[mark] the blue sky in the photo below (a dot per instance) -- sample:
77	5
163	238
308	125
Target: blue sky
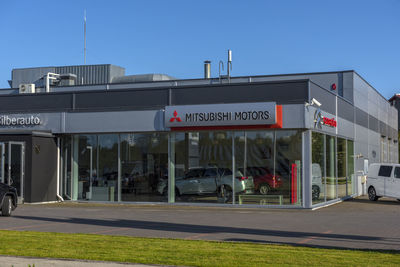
175	37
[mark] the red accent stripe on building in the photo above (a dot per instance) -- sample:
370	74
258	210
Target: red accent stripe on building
294	184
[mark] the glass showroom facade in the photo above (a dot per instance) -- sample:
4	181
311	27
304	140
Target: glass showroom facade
262	167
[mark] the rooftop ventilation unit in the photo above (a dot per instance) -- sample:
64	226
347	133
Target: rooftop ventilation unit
27	88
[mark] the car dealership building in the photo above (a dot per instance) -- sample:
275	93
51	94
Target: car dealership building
90	133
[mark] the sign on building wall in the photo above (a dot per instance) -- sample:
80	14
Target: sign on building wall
320	120
260	113
19	121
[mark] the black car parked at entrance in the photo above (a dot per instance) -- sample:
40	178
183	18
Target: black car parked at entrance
8	199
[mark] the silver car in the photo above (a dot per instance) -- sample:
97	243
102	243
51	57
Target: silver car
211	180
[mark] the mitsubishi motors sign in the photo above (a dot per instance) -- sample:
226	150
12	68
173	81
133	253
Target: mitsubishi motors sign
259	113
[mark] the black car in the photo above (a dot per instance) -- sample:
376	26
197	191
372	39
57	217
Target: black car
8	199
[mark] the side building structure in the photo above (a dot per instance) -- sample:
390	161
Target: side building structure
395	102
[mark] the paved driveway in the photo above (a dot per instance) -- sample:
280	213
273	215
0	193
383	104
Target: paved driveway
357	223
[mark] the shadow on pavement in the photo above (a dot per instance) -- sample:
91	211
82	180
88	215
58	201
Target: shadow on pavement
380	201
206	229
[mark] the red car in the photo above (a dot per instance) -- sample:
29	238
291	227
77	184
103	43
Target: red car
264	180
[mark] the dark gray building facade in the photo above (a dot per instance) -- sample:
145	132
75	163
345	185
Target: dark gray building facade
296	140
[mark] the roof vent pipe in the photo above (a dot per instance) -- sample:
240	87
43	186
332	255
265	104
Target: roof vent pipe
229	64
207	69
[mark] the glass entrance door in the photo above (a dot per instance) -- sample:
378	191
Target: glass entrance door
13	159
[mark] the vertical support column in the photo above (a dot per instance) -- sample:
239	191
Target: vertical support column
233	168
307	163
330	190
171	167
347	167
75	167
119	168
58	166
2	157
245	154
335	175
65	171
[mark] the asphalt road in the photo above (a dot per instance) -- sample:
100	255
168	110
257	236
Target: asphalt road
357	223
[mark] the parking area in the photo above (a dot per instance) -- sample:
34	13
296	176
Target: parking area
357	223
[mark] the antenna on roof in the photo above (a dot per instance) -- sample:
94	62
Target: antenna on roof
84	37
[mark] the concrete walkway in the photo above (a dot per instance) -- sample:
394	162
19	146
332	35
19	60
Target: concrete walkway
7	261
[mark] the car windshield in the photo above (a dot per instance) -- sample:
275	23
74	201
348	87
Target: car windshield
194	173
226	172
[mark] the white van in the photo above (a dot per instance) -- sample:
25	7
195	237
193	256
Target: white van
383	180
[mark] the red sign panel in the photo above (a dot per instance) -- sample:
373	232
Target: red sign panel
330	122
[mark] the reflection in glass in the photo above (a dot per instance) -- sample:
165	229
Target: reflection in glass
16	167
318	168
350	167
331	178
266	169
244	179
260	166
341	165
105	180
144	167
203	167
240	150
66	167
86	159
288	164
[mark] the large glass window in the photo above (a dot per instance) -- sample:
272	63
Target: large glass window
95	167
105	180
203	167
85	168
144	167
242	167
260	163
112	167
333	160
318	168
288	165
266	169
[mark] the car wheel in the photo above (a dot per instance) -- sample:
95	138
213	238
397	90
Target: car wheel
264	189
372	194
6	208
315	192
226	193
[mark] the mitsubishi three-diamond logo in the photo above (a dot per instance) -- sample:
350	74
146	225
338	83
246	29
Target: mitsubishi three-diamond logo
175	117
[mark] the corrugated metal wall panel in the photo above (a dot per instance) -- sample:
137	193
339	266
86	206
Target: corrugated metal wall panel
92	74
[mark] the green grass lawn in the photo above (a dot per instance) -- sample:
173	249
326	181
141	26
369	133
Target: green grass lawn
182	252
